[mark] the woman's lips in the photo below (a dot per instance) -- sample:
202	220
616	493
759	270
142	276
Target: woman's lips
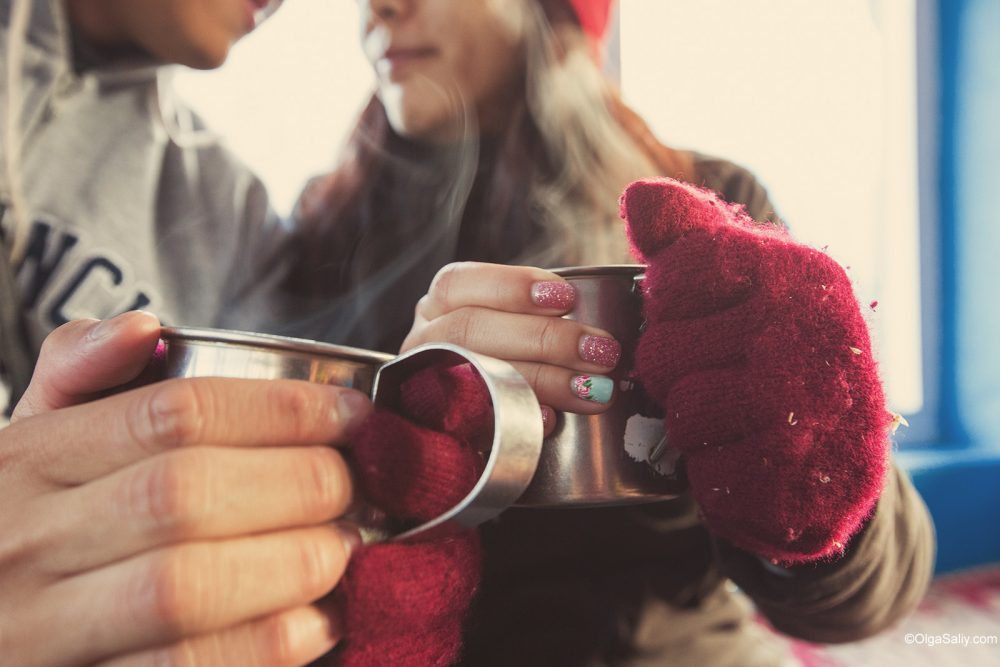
395	62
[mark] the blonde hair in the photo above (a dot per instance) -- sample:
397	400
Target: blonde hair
570	101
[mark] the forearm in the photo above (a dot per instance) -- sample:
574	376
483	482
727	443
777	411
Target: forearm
880	579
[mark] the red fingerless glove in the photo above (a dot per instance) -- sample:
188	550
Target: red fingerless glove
757	350
404	603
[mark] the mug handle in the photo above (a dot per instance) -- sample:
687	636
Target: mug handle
517	432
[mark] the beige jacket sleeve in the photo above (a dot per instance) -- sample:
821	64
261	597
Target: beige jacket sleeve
887	567
880	579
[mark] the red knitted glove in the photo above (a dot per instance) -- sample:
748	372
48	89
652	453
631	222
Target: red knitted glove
405	602
756	348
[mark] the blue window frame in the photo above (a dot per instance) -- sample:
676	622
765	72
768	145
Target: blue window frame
957	470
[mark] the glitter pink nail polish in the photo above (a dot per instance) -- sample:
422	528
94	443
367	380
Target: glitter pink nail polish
600	350
557	294
548	418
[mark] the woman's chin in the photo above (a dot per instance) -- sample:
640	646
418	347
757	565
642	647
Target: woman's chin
437	123
425	130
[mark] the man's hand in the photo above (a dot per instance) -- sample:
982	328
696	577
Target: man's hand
186	521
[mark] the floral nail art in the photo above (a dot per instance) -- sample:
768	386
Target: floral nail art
595	388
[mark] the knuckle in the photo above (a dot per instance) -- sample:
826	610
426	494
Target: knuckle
173	415
537	376
443	284
316	567
62	336
327	488
175	595
275	643
460	327
534	374
550	340
422	307
170	495
295	405
16	547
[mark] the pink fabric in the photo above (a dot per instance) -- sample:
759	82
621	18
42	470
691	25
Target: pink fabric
594	16
405	602
449	399
412	472
758	352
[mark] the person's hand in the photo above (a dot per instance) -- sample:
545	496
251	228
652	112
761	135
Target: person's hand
514	313
405	603
757	350
185	522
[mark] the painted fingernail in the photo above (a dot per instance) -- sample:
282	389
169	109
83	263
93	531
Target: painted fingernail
594	388
600	350
548	418
553	294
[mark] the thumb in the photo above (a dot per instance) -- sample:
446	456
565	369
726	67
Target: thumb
83	358
659	211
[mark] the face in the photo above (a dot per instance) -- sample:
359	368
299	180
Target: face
196	33
432	56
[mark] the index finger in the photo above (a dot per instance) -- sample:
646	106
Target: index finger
82	358
80	443
513	289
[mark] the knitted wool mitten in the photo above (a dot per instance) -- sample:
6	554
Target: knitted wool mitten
757	350
405	602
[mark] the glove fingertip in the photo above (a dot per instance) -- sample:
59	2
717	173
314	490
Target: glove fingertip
659	211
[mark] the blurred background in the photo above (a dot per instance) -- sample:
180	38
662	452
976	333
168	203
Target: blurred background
874	126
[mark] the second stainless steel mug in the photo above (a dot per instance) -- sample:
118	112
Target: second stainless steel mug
622	456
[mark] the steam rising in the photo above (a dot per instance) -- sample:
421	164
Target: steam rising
441	178
573	158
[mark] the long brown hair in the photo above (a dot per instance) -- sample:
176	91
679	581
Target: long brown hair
543	191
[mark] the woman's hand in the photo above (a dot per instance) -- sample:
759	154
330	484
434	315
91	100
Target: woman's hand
185	522
759	354
514	313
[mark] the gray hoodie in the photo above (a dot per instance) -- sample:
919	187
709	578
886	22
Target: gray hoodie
122	216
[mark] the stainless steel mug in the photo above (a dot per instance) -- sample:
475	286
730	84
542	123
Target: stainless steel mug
622	456
517	431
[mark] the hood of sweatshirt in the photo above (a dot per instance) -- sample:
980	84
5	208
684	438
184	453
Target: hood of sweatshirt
124	208
50	31
52	65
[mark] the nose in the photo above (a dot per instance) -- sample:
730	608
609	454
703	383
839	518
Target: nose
383	11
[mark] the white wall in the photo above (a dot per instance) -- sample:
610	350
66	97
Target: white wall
815	96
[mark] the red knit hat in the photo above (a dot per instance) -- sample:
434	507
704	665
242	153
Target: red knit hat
593	16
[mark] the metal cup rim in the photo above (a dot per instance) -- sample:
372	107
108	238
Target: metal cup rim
600	270
275	343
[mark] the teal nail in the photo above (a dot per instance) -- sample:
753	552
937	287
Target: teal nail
596	388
